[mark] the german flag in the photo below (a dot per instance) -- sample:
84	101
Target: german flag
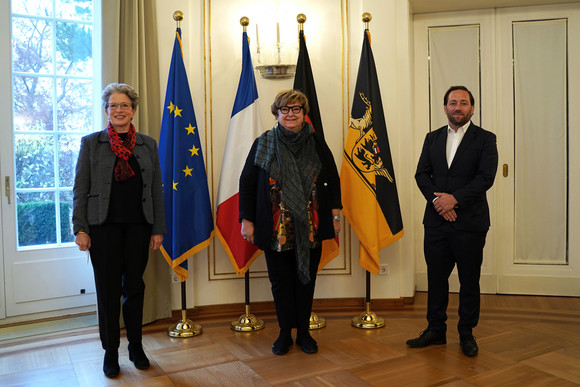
304	82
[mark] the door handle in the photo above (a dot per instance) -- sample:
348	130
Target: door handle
505	170
7	187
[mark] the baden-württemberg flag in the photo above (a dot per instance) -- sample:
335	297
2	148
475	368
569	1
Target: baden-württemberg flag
304	81
369	189
244	127
185	190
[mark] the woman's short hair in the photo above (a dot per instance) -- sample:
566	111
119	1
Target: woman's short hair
290	96
113	88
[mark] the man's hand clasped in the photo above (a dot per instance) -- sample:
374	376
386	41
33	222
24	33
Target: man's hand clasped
445	205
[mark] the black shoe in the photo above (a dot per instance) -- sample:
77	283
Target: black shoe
282	344
468	345
111	364
427	338
307	344
138	357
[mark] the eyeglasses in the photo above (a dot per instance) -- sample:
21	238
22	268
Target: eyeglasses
286	109
123	106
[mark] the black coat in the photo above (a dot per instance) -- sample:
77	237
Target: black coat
470	175
255	204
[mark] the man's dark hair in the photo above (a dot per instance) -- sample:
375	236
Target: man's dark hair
453	88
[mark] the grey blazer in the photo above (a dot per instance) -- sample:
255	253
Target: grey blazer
94	177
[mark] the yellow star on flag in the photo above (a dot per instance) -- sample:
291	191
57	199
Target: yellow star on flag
171	106
175	185
187	171
177	111
194	151
190	129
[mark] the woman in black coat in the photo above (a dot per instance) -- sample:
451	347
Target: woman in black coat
289	203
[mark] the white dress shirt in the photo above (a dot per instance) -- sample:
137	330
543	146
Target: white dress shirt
453	140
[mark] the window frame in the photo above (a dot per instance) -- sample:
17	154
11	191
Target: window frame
56	187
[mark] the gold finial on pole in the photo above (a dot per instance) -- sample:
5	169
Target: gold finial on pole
244	21
178	17
301	19
366	18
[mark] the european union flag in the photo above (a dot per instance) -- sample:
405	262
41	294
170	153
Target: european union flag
185	190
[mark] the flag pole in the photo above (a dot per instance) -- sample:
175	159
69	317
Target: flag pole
368	319
247	322
316	322
184	327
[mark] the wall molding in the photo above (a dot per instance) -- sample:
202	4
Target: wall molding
354	305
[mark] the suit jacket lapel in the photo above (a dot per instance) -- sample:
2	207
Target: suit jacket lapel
441	146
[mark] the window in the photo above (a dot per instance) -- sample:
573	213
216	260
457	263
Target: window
53	107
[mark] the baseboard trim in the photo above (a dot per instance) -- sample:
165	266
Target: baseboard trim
351	305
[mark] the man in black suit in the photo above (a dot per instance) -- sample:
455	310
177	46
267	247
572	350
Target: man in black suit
457	166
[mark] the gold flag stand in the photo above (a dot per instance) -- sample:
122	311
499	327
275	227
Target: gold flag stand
317	322
368	319
184	327
247	322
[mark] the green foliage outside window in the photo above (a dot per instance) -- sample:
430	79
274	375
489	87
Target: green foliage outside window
37	223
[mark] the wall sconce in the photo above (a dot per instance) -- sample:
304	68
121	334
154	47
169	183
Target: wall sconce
273	59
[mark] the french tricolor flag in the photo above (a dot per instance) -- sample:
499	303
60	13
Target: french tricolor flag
244	127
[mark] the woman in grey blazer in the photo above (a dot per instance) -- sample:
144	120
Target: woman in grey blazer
118	216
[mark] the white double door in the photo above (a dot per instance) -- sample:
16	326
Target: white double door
523	66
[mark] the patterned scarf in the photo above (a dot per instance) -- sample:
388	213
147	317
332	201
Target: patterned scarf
291	159
123	150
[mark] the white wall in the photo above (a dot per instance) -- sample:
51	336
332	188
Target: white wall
212	44
334	30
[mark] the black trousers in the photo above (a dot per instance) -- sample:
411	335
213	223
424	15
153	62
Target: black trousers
119	254
444	247
292	298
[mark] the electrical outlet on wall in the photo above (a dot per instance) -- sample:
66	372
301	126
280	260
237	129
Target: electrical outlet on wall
384	270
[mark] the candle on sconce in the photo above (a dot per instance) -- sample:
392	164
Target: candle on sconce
257	37
271	64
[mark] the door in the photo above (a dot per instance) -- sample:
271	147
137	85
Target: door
454	49
46	69
522	67
539	177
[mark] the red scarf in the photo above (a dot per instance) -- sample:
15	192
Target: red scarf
123	150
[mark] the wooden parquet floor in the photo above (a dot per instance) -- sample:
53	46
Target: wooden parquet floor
523	341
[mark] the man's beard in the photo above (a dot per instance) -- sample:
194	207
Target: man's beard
464	120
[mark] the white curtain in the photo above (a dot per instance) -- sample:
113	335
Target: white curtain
540	134
130	55
453	60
